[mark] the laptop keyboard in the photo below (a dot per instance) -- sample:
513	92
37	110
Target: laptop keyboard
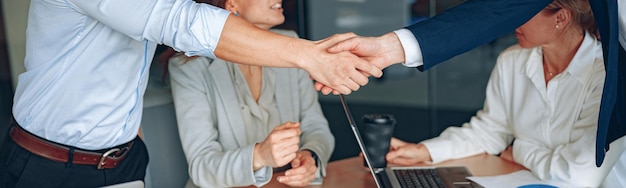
410	178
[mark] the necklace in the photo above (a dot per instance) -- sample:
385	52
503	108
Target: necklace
548	71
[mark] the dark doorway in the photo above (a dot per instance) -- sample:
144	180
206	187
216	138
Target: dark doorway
6	86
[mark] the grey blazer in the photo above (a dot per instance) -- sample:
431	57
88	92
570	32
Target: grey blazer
210	122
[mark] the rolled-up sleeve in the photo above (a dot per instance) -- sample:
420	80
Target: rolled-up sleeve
488	131
182	24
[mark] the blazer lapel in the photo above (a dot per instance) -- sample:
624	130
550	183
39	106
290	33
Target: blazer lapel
226	95
284	93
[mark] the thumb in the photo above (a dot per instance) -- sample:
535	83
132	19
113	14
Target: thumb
346	45
296	162
337	39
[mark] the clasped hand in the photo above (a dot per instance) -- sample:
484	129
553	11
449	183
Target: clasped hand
280	148
407	154
374	54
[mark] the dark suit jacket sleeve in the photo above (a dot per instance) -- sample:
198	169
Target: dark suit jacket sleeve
469	25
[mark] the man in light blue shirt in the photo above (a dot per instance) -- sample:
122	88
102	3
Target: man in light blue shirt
78	106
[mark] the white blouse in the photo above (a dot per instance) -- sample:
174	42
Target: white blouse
554	126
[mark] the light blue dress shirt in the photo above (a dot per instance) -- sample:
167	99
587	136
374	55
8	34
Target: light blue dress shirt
87	63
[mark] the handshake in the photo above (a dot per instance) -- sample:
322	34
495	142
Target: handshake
342	63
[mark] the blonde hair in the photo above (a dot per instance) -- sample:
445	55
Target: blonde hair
581	13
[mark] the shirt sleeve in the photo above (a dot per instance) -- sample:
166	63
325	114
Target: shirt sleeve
262	176
186	26
412	51
487	131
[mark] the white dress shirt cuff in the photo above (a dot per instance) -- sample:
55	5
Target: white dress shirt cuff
439	149
412	50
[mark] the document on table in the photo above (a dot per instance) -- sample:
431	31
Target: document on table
522	178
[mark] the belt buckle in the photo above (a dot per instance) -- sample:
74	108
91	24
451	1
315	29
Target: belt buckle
104	156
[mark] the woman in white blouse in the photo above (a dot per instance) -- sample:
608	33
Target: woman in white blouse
543	97
239	123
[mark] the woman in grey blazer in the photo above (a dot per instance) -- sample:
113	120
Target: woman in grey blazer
240	123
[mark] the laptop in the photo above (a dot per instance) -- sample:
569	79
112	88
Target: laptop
415	176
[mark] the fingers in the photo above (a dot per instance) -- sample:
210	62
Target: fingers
351	80
286	158
343	89
323	88
318	86
334	39
399	157
279	147
367	57
358	69
396	143
279	154
287	130
359	78
284	151
287	125
299	180
400	152
403	161
327	90
340	71
302	175
368	68
345	45
351	85
409	154
391	155
296	162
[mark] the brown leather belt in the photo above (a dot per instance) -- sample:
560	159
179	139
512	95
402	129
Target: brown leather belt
59	153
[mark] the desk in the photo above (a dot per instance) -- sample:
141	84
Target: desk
350	173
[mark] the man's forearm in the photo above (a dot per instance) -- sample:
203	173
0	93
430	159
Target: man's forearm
242	42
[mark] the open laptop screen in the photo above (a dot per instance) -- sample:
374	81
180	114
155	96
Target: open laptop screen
359	140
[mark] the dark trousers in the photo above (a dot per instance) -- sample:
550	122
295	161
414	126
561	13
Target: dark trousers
21	168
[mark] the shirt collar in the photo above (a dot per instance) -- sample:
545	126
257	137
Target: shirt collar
579	67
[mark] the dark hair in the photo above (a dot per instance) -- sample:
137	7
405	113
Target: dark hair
217	3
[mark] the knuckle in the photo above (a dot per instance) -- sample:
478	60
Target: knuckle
363	83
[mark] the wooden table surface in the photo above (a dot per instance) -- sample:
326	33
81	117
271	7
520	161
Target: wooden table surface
350	172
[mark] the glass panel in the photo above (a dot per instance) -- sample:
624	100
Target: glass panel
456	87
6	85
